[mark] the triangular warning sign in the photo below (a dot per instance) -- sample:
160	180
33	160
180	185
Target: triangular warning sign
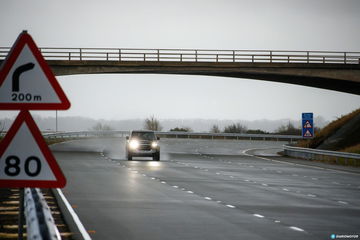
25	159
307	134
307	125
26	80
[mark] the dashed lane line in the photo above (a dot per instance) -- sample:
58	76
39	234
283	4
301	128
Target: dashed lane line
218	201
297	229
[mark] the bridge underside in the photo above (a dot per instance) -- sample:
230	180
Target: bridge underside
338	77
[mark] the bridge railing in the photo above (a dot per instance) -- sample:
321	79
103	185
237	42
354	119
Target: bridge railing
195	55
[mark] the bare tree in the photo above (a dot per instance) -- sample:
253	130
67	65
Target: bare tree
2	127
235	128
153	124
101	127
288	129
181	129
215	129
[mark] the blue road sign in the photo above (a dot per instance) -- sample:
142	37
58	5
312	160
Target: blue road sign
307	125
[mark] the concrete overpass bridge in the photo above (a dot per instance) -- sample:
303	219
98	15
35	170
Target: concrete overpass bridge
338	71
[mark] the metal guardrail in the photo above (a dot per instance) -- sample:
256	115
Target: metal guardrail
188	135
85	134
39	221
316	154
194	55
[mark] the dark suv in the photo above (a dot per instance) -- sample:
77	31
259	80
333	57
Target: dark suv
142	144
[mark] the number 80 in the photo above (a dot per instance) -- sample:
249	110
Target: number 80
13	169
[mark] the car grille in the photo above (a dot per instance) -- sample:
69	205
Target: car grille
145	146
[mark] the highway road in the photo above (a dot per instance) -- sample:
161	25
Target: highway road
206	189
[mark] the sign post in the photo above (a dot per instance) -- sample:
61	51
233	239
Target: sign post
307	125
27	83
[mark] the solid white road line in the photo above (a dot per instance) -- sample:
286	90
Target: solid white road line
75	217
258	215
295	164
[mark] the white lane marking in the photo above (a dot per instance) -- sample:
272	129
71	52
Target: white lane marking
153	178
144	175
175	186
264	184
277	221
314	179
231	176
258	215
246	180
311	195
219	201
297	229
230	206
217	173
208	198
342	202
285	189
75	217
190	192
163	182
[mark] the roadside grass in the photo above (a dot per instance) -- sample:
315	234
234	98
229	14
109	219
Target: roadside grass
352	149
51	141
328	131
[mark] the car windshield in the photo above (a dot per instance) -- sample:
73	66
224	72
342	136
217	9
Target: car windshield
143	135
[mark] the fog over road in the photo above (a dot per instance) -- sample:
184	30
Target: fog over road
205	189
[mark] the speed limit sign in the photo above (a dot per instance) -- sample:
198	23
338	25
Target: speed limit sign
25	159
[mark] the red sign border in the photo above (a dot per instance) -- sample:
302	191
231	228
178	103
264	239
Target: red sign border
60	181
23	39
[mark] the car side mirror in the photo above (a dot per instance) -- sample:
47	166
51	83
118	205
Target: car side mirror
127	137
158	138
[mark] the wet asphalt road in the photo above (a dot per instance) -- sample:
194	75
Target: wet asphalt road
205	189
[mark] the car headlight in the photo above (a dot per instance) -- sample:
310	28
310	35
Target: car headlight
154	144
134	144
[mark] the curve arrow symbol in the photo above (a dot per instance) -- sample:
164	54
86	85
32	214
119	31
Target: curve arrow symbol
17	73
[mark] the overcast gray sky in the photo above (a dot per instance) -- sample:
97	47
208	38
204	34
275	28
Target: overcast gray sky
198	24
